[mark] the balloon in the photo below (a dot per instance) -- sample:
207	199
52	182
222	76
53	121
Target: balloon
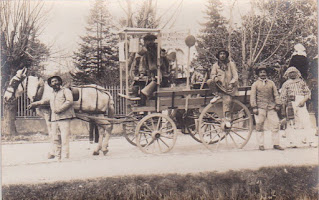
190	41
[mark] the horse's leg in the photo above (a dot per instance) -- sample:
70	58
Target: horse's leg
52	148
107	134
100	141
91	126
96	135
104	136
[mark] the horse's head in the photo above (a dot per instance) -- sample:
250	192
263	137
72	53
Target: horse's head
33	86
14	83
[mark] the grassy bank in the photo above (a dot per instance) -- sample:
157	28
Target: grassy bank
265	183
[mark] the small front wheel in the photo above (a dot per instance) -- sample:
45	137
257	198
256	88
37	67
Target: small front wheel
156	133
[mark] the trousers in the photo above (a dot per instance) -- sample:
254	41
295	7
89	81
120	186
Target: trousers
273	122
227	99
60	138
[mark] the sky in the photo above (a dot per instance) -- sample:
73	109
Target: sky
67	21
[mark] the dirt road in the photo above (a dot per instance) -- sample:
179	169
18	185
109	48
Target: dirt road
27	163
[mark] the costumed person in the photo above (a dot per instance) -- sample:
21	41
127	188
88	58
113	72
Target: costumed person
265	102
296	92
223	82
62	112
148	62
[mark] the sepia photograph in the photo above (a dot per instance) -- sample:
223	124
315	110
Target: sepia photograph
159	99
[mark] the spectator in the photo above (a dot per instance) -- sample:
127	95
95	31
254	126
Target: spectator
296	91
265	101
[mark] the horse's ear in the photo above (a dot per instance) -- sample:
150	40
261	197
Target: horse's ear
24	71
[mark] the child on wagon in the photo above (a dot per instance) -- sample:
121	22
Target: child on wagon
296	92
264	99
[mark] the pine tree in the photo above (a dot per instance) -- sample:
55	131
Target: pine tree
213	36
97	56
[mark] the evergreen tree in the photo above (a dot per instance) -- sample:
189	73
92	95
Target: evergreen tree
213	36
97	57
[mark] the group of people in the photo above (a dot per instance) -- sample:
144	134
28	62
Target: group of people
265	100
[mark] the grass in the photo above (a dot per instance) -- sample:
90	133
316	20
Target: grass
266	183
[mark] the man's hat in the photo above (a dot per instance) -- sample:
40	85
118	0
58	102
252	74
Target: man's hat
262	67
57	77
223	50
149	37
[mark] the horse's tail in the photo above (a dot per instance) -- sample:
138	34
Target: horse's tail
111	108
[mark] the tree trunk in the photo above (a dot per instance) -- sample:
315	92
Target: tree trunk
9	118
245	76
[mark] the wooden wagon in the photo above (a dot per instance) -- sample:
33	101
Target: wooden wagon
155	119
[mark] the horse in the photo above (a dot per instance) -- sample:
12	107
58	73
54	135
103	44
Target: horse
90	103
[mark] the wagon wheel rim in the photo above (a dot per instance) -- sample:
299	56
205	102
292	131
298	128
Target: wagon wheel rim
216	136
191	129
130	126
156	133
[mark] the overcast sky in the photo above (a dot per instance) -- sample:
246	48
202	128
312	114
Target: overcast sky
67	18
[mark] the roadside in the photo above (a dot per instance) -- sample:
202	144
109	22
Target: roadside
27	163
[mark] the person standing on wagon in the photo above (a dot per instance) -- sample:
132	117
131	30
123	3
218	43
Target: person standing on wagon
224	81
265	101
62	112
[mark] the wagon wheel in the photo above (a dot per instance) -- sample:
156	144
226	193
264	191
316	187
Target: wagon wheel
216	134
191	123
130	127
156	133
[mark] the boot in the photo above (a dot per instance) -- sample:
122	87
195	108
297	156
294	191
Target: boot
261	148
278	147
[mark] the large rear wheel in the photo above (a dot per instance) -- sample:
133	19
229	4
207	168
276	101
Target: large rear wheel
220	133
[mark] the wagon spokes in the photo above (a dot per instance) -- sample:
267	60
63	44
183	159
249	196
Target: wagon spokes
219	133
156	133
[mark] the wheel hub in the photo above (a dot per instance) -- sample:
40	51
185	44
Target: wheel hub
226	125
156	134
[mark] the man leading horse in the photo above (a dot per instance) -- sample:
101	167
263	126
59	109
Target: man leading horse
61	104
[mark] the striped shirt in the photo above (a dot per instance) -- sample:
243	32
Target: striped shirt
293	88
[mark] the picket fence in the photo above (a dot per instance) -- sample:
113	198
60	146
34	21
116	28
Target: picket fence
23	102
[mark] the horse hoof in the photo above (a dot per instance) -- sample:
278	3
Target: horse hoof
96	153
105	152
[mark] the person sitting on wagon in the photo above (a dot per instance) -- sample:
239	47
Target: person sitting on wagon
224	81
148	67
296	92
148	62
265	102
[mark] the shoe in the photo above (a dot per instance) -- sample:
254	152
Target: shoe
50	156
261	148
278	147
311	144
216	98
96	153
105	152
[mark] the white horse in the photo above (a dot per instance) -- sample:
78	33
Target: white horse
90	103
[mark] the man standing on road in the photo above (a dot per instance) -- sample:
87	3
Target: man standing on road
62	112
265	101
224	81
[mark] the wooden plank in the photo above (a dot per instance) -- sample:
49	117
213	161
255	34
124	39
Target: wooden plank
183	92
168	93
